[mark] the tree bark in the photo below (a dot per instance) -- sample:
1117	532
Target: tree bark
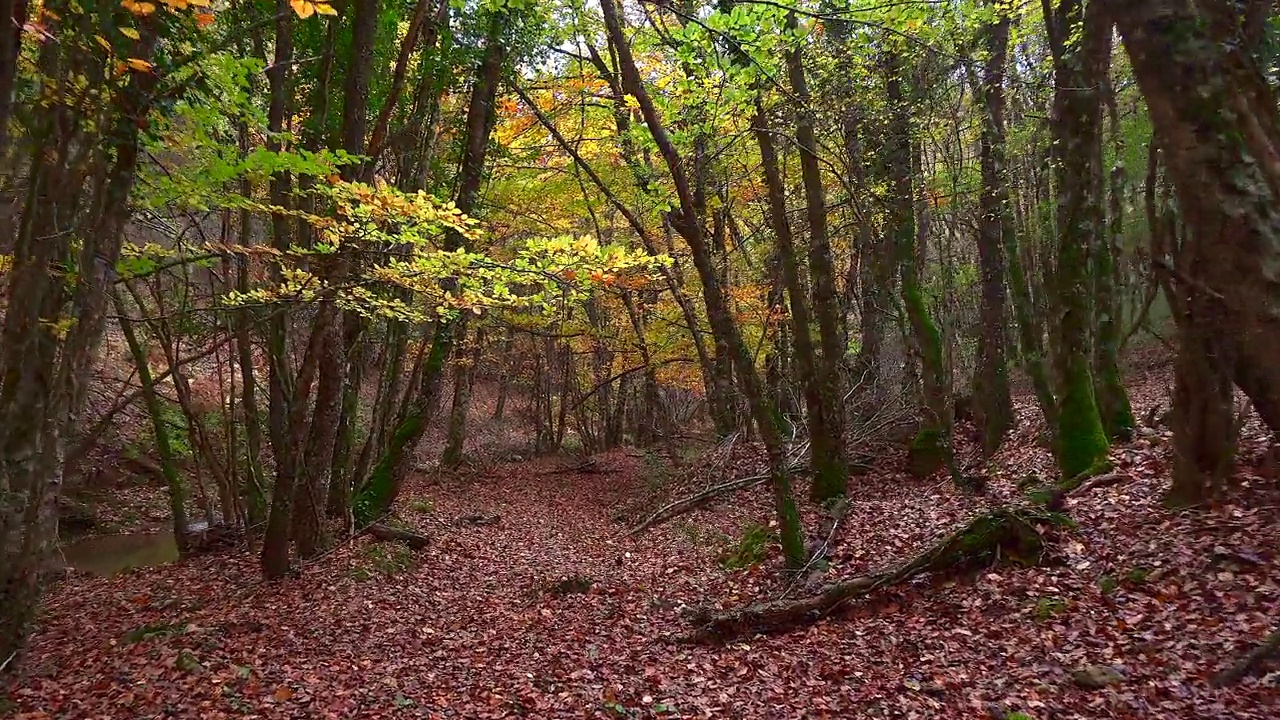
1113	398
931	448
993	405
830	474
275	545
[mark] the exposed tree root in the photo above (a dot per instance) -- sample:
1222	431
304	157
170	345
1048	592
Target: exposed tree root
811	575
1004	535
1250	663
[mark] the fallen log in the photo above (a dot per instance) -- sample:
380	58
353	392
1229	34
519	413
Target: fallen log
1100	481
690	503
1003	535
387	533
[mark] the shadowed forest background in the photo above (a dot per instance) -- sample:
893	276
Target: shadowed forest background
741	359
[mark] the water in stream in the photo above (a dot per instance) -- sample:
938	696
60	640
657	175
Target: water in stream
111	554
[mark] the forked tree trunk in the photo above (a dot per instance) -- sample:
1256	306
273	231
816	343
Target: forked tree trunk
1215	117
44	374
763	409
388	474
827	463
831	472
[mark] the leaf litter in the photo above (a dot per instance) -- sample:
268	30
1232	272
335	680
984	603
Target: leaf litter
1153	602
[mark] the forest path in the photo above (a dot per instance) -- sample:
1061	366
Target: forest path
467	629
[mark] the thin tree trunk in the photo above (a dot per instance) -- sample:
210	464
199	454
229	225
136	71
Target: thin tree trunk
159	428
831	471
764	410
1113	399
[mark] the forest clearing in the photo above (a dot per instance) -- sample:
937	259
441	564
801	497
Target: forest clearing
639	358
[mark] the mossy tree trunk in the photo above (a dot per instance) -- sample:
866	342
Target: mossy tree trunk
383	485
1078	38
930	451
159	427
1113	398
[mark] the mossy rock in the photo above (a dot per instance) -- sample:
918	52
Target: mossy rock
927	453
1097	677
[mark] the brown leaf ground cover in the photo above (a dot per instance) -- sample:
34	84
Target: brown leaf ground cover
548	614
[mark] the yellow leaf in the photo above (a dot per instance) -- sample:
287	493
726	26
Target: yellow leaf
129	33
103	42
199	3
325	9
139	65
303	8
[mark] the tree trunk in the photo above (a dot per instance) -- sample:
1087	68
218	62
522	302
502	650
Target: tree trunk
44	374
159	428
993	405
1077	161
764	410
275	545
931	448
383	485
1215	118
827	456
1113	399
463	376
831	472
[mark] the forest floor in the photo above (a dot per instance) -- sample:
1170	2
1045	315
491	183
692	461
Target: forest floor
482	625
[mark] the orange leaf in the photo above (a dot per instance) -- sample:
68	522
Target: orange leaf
282	693
204	20
139	65
138	8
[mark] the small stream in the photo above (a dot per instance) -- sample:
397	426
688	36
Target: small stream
111	554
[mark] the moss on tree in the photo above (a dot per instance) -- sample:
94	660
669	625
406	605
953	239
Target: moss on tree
1081	441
